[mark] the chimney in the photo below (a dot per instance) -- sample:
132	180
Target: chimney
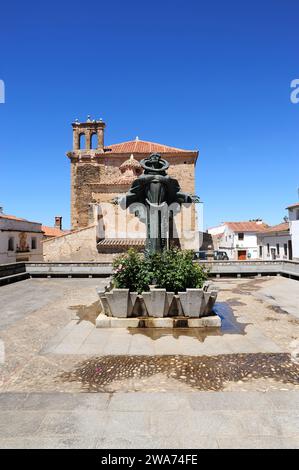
58	222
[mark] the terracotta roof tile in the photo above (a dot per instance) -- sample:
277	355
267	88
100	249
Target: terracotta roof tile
53	231
247	226
143	146
283	227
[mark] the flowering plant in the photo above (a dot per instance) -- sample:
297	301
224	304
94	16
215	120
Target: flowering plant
172	269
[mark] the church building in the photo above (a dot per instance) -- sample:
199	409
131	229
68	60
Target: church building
101	173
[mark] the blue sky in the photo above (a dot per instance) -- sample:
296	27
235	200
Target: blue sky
194	74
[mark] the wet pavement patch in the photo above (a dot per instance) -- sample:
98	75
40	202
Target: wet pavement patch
229	322
249	287
201	372
87	312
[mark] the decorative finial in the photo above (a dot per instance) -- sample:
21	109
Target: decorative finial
131	157
137	138
88	118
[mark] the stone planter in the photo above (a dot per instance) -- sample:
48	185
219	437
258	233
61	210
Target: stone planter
118	302
208	303
191	302
158	303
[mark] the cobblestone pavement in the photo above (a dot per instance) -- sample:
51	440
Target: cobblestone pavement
237	387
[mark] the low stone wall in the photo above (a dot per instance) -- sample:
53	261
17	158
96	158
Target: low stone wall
69	269
12	272
251	268
12	268
99	269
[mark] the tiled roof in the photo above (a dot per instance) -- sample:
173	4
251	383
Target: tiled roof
53	231
246	226
12	217
19	219
293	205
283	227
143	146
122	242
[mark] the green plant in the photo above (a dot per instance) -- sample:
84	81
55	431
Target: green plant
130	272
172	269
175	270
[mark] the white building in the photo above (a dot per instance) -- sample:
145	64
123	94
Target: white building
294	229
20	240
238	239
275	242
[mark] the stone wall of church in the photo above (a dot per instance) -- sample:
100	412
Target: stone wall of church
87	177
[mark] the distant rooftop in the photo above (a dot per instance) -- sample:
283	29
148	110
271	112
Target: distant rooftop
282	227
53	231
247	226
19	219
293	205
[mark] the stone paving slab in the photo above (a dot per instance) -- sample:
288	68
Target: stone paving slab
48	326
150	420
66	442
283	293
19	300
258	442
84	339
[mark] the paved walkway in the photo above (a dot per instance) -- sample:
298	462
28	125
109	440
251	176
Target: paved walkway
84	338
150	420
147	383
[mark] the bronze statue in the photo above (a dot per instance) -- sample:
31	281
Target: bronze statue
156	191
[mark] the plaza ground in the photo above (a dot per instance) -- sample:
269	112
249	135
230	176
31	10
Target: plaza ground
65	383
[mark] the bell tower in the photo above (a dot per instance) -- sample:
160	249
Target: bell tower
84	132
86	164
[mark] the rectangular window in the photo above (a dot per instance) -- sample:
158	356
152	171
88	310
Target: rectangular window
241	236
33	243
277	248
285	249
268	249
11	244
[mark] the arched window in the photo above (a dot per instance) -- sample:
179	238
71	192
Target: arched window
82	141
94	141
11	244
